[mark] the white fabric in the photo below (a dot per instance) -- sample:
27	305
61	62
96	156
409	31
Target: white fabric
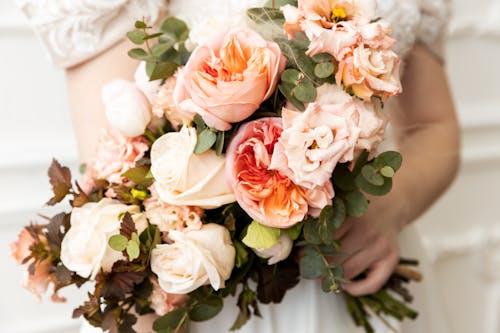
75	30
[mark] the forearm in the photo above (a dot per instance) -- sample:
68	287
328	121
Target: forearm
84	83
427	135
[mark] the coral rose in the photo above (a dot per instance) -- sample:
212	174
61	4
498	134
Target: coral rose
227	79
268	196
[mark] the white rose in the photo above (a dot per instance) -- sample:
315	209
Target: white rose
148	88
85	248
127	109
278	252
196	258
184	178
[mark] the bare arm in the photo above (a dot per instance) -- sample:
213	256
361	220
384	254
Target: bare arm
427	135
84	83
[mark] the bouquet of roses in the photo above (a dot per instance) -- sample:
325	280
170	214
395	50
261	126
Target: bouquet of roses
229	165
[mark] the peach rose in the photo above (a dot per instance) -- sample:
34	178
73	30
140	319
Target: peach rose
325	14
227	79
163	302
169	217
367	116
268	196
115	154
314	141
164	104
370	72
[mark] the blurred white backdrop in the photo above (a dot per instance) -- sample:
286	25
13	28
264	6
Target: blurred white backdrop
461	232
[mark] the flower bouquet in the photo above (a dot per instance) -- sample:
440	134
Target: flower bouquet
227	168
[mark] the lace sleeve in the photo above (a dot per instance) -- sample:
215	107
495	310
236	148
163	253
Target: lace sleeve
433	25
76	30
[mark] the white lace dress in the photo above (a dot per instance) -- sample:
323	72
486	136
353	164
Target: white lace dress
76	30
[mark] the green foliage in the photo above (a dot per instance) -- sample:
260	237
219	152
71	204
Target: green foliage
259	236
205	308
356	203
206	139
247	300
167	54
139	175
172	321
118	242
266	15
295	231
311	264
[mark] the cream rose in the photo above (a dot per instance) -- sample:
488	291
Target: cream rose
85	248
184	178
278	252
127	109
147	87
196	258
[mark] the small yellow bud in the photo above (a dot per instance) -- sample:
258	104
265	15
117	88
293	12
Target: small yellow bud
338	14
139	194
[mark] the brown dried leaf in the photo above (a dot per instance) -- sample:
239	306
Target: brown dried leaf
127	227
60	179
118	285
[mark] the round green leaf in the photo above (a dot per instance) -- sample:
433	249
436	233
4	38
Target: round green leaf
259	236
372	176
118	242
176	27
356	204
140	25
387	171
138	53
136	36
311	265
206	140
324	70
369	188
206	308
291	76
322	57
389	158
311	231
305	92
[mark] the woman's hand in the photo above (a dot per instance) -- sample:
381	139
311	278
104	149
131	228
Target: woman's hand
369	244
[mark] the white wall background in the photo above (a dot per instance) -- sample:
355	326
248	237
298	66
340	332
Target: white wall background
461	232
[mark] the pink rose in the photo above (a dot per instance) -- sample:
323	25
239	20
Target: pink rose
42	276
163	302
370	72
267	195
225	81
170	217
115	154
367	116
314	141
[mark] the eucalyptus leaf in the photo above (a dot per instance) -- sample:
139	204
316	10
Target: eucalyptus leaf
206	309
206	140
305	92
219	144
339	213
291	75
136	36
286	90
140	25
343	178
324	70
294	232
322	57
138	54
326	225
392	159
171	320
160	48
372	176
163	70
176	27
311	264
266	15
387	171
295	52
356	204
369	188
311	231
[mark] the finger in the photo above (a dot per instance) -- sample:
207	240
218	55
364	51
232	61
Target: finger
356	240
343	230
376	278
362	260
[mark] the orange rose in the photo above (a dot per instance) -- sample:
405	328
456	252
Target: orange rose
225	81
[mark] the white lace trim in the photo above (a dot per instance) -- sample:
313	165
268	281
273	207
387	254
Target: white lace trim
76	30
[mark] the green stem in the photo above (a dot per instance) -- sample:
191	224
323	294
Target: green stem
376	314
335	286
